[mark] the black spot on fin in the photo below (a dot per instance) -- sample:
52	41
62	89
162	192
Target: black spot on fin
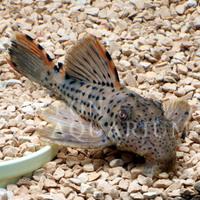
89	61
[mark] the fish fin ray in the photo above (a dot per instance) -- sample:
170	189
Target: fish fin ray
68	129
89	61
178	111
28	58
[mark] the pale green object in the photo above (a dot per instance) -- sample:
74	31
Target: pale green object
12	170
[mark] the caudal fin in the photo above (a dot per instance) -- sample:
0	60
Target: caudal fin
29	59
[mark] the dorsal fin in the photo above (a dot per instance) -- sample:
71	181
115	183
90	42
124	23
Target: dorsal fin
89	61
27	42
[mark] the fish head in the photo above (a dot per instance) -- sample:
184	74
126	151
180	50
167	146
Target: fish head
141	127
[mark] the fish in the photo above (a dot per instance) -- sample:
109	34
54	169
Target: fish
179	111
97	110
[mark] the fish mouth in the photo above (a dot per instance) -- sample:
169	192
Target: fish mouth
166	164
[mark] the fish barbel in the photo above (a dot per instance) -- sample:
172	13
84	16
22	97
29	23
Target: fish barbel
99	111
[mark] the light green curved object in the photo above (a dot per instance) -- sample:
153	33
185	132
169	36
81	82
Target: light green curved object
12	170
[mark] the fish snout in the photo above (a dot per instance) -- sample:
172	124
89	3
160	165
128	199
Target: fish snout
162	163
168	163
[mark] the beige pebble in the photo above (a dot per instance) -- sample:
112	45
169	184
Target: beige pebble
164	175
197	128
10	151
92	11
180	92
94	176
144	180
75	181
182	69
197	22
50	183
59	173
188	173
124	195
162	183
139	4
144	188
11	108
59	52
68	173
158	198
189	88
134	186
104	186
150	195
83	177
188	182
137	196
85	188
98	195
197	186
164	12
180	9
78	198
116	163
184	149
174	193
169	87
88	167
28	110
50	166
108	197
123	184
194	136
135	172
130	80
124	64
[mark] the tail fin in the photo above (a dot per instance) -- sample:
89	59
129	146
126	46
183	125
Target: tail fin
29	59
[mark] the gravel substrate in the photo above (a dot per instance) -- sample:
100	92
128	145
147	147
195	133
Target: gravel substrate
156	48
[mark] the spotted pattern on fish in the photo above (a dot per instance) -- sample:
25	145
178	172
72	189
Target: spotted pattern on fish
88	82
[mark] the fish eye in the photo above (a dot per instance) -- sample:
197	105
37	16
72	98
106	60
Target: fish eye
123	114
186	113
59	133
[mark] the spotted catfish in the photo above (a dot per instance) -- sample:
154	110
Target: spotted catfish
99	112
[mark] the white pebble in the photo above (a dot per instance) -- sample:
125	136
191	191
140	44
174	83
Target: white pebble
116	163
88	167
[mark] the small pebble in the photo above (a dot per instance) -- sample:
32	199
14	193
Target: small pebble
150	195
98	195
88	167
197	186
75	181
137	196
85	188
134	187
116	163
162	183
123	184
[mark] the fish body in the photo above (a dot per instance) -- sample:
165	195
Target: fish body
99	112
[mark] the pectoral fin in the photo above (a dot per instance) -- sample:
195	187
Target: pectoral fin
179	112
68	129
